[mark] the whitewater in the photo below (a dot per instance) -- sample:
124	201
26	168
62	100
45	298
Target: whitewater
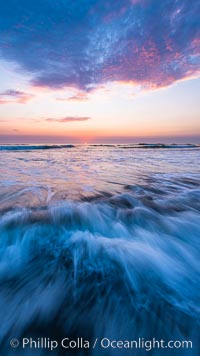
100	241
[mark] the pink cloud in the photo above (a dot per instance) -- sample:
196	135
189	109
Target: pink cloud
15	96
68	119
76	97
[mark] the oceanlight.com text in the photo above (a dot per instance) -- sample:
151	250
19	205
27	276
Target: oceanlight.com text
101	343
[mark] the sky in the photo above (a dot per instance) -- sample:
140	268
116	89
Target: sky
99	71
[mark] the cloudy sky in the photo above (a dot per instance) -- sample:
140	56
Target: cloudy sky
93	70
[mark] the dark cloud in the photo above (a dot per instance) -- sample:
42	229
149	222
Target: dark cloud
68	119
13	93
87	43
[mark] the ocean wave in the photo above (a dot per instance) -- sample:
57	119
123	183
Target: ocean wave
122	265
32	147
163	145
148	145
24	147
172	145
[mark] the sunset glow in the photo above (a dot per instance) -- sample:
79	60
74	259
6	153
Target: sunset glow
103	73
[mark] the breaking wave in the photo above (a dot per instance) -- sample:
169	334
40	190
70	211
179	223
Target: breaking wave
122	266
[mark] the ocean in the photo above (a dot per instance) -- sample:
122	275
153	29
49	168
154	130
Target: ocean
99	242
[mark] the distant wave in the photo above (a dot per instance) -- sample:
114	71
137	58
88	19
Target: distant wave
24	147
32	147
149	145
161	145
171	145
